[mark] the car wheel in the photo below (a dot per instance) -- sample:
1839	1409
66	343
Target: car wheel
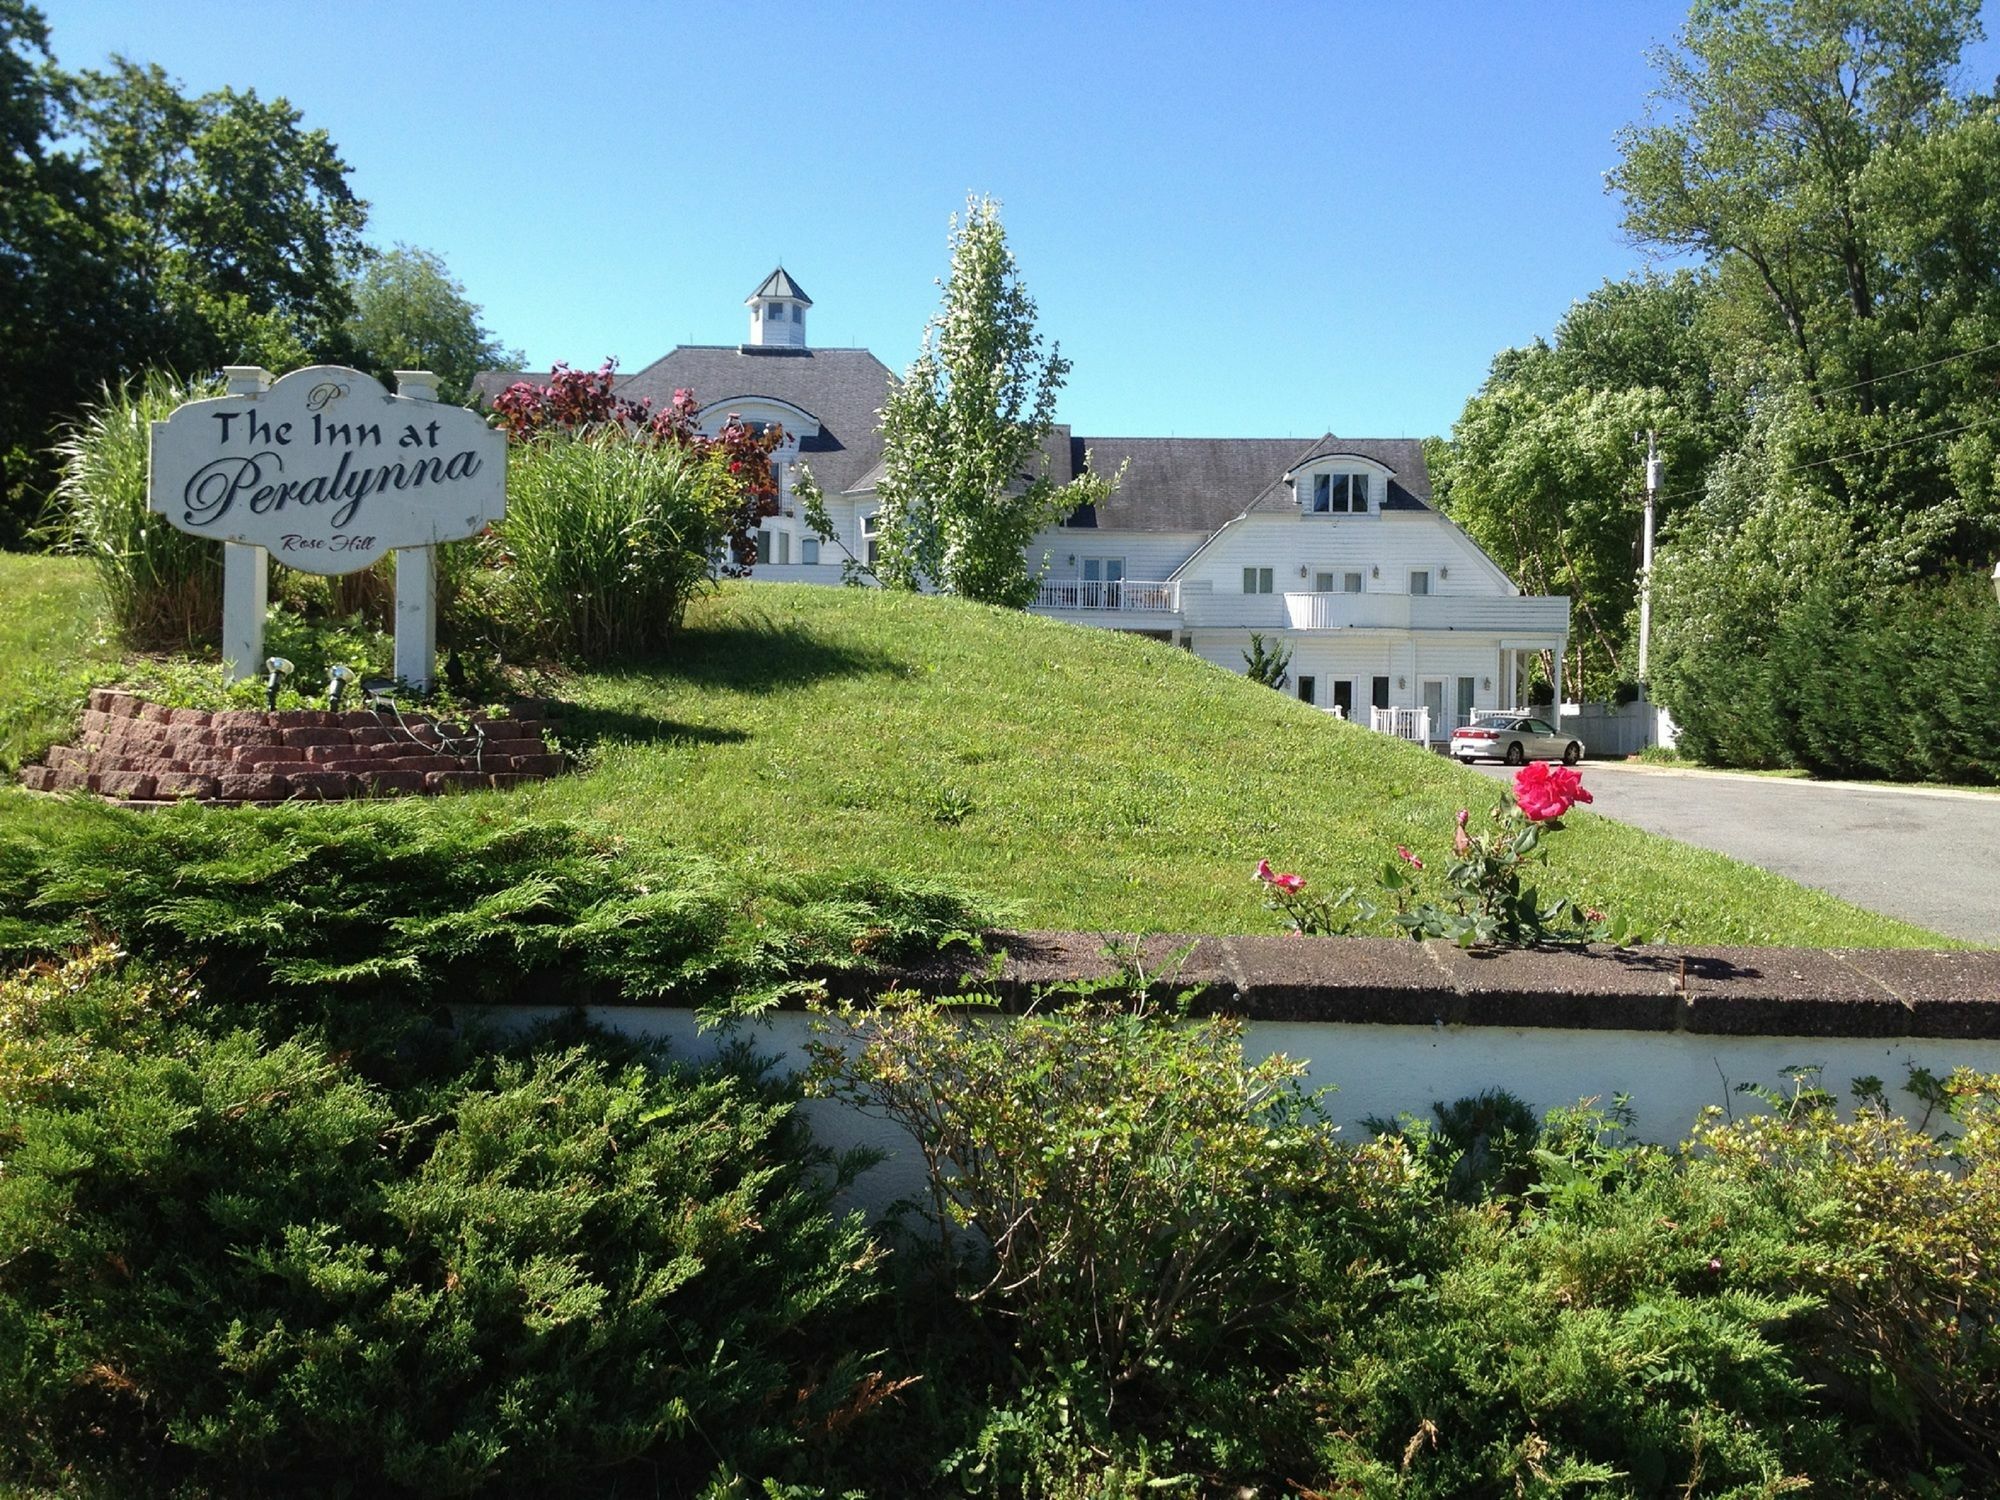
1572	754
1465	760
1515	754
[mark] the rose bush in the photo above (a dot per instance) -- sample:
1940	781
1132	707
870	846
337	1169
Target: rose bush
1485	901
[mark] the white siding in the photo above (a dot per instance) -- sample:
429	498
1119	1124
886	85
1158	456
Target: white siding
1392	545
1150	556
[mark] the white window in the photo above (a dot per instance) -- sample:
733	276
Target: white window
871	527
798	314
809	550
1322	583
1350	583
1339	494
1420	581
1256	580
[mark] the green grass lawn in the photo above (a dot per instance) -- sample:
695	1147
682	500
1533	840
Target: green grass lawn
1078	778
53	649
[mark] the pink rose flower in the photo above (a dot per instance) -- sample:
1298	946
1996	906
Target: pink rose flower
1546	792
1291	885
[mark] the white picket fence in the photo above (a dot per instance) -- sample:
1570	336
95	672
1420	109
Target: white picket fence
1412	724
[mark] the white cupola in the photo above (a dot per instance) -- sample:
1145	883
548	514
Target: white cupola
778	313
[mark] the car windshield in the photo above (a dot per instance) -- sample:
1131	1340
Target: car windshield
1536	726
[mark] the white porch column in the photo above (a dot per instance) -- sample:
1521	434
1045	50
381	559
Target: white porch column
246	570
1556	681
416	578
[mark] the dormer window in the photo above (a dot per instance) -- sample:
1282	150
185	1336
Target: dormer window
1339	494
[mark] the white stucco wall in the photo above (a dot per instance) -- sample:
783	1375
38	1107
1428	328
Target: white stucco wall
1382	1071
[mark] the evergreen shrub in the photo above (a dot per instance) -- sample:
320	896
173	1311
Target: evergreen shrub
234	1265
440	903
1898	683
1193	1287
1902	685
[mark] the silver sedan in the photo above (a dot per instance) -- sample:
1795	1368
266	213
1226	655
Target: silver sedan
1515	740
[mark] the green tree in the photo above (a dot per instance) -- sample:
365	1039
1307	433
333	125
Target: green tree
140	227
411	313
64	314
1547	482
1772	113
965	486
1267	664
1545	463
236	221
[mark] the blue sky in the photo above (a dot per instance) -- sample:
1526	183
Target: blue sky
1246	221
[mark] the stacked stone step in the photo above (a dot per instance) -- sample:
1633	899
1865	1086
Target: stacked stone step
132	751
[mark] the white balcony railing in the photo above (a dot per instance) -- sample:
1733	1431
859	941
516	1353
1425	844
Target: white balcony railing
1524	614
1131	595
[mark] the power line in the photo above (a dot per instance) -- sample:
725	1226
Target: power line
1922	437
1913	369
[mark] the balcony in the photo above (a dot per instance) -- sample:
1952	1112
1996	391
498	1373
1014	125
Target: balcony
1532	615
1119	596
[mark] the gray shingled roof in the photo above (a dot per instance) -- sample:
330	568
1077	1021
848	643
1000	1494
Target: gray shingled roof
844	388
780	284
1200	484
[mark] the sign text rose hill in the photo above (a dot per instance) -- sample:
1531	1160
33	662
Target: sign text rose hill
328	471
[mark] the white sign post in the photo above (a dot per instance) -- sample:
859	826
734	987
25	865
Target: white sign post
327	471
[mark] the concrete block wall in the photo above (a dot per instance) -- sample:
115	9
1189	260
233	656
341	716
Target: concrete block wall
139	753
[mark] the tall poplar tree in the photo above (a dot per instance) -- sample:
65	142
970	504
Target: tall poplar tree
965	483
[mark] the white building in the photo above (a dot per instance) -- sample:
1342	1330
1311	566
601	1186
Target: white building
1330	545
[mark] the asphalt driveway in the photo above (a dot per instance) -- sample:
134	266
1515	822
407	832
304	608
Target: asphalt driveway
1930	857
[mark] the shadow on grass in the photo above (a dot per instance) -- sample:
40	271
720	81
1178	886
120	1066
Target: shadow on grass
752	656
761	655
583	727
756	656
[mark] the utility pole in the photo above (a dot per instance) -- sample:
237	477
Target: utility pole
1653	468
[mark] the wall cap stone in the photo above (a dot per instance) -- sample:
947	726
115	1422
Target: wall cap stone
1802	992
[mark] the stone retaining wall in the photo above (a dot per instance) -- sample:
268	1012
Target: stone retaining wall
142	754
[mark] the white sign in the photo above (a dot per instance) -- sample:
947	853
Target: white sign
327	470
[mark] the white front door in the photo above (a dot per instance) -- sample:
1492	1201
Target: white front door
1433	699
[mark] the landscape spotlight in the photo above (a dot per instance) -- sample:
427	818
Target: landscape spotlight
336	684
276	669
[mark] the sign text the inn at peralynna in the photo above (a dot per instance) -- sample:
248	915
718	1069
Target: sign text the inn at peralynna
325	470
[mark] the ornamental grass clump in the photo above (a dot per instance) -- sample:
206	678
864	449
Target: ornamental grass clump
1485	900
606	541
164	587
